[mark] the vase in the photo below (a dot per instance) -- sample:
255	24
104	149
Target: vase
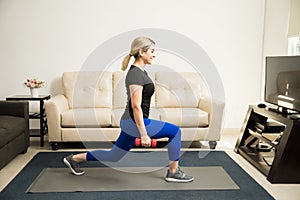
34	92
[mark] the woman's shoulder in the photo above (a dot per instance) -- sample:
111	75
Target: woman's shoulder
134	76
134	71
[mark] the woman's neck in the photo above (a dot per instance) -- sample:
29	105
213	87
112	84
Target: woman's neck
139	65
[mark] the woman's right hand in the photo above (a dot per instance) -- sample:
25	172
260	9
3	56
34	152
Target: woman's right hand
146	141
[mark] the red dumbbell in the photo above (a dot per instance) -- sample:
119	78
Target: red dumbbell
138	142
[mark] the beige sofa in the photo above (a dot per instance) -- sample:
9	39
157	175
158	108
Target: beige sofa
93	103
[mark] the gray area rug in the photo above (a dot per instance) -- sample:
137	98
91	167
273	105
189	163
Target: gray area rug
129	179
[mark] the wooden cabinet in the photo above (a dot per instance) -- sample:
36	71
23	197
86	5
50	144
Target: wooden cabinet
271	142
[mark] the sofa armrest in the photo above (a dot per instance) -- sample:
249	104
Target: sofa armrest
205	104
54	107
15	108
215	110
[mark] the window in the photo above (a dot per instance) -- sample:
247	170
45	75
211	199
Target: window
294	46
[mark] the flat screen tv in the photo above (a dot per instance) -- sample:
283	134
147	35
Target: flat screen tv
282	83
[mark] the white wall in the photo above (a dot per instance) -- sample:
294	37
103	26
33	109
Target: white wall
275	31
45	38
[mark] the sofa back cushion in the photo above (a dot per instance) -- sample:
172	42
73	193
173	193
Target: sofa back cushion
119	90
176	90
88	89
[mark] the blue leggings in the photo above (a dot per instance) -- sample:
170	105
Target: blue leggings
155	129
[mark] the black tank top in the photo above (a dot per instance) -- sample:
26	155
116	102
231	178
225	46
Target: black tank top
136	76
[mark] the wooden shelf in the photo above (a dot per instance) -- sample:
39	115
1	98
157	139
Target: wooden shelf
36	115
256	158
261	137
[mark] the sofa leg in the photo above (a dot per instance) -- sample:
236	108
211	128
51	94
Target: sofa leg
55	145
212	144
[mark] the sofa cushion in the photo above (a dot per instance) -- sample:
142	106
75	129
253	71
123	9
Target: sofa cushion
176	90
118	112
184	117
10	128
86	117
88	89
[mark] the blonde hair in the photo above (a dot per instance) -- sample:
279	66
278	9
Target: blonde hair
139	43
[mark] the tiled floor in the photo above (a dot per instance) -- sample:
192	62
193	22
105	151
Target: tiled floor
227	143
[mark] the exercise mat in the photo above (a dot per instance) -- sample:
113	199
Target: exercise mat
129	179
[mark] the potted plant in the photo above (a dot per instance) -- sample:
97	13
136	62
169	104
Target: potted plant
34	84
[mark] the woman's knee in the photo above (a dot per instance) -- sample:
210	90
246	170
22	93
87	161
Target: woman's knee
175	129
178	134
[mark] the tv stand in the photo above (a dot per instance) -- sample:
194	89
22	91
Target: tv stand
281	162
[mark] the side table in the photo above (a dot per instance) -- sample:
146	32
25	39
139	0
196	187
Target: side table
41	115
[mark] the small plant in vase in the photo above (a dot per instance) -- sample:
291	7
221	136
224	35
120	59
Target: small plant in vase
34	84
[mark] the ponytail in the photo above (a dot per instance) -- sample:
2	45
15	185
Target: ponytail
139	43
125	62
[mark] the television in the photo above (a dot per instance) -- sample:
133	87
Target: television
282	83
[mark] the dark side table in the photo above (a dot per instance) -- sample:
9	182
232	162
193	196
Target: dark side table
41	115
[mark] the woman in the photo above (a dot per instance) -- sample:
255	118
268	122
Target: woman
135	122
